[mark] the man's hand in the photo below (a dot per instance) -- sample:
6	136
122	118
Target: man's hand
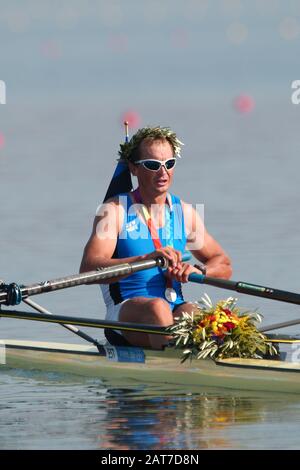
181	272
172	256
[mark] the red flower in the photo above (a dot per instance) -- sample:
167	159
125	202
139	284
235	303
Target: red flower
227	311
229	325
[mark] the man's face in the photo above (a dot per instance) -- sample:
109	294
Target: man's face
156	181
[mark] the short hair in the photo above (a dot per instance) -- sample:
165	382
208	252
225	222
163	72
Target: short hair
129	151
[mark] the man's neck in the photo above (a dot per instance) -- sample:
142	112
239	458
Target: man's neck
148	199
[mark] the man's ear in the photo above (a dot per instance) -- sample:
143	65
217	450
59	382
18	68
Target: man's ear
132	168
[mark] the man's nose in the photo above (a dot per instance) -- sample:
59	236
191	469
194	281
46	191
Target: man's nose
162	170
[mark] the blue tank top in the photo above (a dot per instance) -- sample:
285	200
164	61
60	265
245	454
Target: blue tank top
134	240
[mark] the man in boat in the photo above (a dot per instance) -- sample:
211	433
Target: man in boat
144	224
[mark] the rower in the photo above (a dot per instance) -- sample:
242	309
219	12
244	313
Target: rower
132	224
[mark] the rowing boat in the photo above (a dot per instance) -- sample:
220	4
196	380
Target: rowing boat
162	367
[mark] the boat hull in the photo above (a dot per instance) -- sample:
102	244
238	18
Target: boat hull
160	366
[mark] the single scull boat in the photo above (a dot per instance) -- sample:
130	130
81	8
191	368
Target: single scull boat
153	366
163	366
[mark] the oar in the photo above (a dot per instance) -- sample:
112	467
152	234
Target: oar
87	278
277	326
71	328
80	321
115	325
246	288
255	290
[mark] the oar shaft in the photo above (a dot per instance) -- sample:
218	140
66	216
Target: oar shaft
87	278
277	326
80	321
247	288
92	276
71	328
93	323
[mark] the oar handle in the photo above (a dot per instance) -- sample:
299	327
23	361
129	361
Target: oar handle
186	257
247	288
213	281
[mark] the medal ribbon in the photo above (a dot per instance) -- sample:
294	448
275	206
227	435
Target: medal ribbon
152	229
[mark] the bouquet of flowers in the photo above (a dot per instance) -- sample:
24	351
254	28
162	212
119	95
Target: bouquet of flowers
220	331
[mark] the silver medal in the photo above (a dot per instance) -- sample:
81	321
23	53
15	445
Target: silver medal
170	294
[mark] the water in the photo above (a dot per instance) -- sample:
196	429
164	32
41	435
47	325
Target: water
91	414
70	76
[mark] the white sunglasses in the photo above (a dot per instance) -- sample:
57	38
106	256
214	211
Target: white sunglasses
155	165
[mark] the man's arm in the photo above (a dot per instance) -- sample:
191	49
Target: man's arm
204	247
101	245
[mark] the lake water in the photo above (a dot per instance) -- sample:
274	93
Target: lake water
68	84
52	411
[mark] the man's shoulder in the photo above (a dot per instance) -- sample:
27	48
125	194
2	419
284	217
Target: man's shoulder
117	200
112	206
